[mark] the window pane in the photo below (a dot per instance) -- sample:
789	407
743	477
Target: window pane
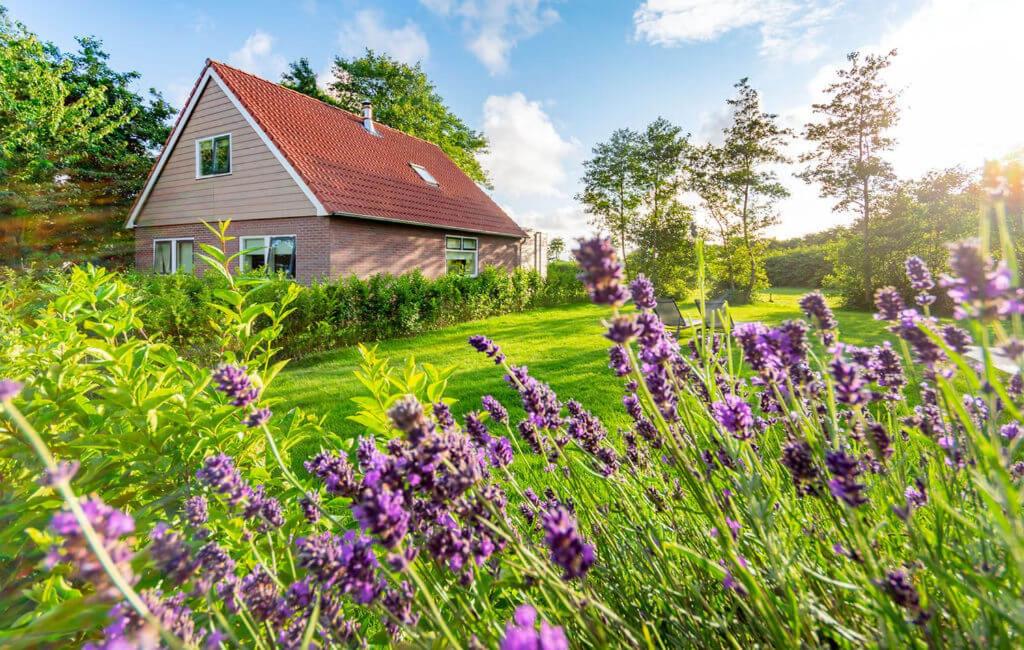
206	157
162	257
222	148
453	243
458	262
185	261
256	259
282	255
469	244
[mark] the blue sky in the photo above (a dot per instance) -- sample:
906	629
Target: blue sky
547	79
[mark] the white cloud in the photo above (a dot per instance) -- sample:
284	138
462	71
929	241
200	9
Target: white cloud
789	28
527	156
494	27
257	56
566	221
406	43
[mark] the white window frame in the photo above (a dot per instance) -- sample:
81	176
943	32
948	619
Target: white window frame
266	250
231	156
425	175
475	251
174	252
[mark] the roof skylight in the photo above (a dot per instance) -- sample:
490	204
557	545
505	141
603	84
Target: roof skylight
427	177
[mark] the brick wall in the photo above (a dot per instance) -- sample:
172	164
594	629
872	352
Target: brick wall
331	247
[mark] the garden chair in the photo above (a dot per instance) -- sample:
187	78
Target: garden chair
668	311
713	314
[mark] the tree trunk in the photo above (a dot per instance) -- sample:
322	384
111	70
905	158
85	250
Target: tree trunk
866	260
746	243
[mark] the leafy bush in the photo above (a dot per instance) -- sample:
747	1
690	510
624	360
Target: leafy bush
778	488
802	267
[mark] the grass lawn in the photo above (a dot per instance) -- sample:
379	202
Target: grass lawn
562	346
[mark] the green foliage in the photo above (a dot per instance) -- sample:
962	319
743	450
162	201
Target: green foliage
138	416
76	143
611	191
555	248
301	78
804	266
404	98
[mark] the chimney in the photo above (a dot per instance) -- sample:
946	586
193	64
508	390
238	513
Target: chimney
368	116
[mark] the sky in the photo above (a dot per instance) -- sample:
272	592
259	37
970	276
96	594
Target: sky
546	80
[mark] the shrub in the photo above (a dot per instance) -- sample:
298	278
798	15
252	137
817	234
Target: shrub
776	489
806	266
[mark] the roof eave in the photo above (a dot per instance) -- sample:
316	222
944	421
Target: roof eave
408	222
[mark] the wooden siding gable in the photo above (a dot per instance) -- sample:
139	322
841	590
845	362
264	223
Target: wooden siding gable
262	184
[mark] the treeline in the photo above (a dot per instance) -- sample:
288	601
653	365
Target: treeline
648	189
914	217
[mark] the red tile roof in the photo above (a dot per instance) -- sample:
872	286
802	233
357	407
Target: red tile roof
353	172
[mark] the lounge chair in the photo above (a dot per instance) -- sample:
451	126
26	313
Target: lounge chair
668	311
713	312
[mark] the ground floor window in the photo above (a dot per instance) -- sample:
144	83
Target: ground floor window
460	255
275	253
173	255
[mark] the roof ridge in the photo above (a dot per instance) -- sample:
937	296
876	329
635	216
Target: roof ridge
347	112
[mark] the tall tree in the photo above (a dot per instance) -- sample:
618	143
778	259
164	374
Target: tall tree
663	147
300	77
851	136
611	190
738	184
555	248
404	98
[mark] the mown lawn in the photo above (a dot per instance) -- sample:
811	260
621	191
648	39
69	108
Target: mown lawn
562	346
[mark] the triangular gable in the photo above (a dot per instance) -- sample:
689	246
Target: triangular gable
210	76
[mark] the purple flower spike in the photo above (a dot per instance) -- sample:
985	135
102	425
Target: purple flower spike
65	471
110	525
9	389
170	554
236	384
889	304
521	633
814	305
845	486
335	471
485	345
257	418
196	510
407	415
919	275
623	329
601	272
735	416
568	550
642	290
850	387
498	412
981	287
219	474
619	361
956	338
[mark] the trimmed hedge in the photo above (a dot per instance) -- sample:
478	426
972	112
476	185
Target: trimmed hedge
350	310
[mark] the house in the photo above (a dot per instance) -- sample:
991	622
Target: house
311	190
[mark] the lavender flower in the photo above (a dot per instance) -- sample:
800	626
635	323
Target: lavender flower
729	581
1011	430
335	471
568	550
735	416
310	504
215	567
9	389
956	338
889	304
813	304
495	408
501	453
485	345
171	555
981	288
257	418
259	593
444	416
642	291
623	329
850	387
601	272
196	510
521	633
539	401
618	361
110	525
236	384
382	512
844	485
219	474
1016	387
398	604
920	280
1014	349
347	563
901	589
407	415
64	472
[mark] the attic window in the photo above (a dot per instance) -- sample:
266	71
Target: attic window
424	174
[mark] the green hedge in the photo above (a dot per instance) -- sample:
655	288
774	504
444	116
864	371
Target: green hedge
351	310
806	266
